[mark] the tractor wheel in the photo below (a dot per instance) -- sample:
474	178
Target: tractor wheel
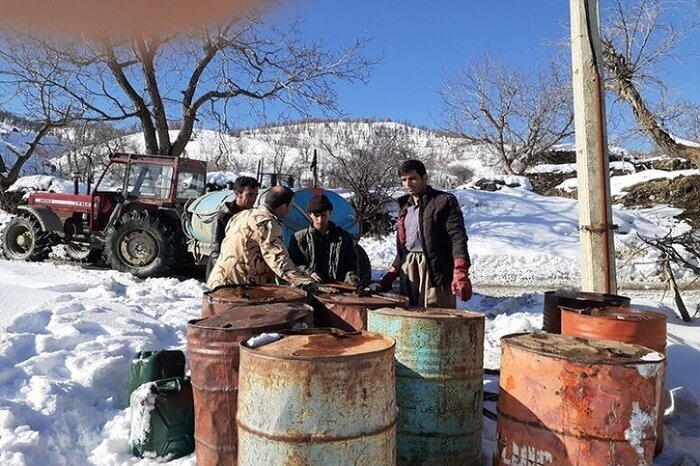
81	252
25	240
143	244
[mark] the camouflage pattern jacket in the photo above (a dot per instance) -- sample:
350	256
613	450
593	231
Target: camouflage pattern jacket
253	253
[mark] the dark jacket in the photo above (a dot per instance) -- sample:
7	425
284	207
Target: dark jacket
342	258
228	210
225	213
444	236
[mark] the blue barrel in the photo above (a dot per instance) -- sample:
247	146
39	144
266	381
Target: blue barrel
439	383
343	214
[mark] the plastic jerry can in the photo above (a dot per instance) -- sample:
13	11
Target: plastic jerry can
148	366
162	419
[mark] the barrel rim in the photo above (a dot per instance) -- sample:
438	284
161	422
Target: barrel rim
580	295
332	298
611	313
575	361
253	351
425	313
249	286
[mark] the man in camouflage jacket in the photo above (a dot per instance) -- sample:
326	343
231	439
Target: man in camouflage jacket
253	250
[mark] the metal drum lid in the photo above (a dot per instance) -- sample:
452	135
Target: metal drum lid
245	294
257	316
429	313
327	343
582	350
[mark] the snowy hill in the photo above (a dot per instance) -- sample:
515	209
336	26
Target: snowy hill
289	148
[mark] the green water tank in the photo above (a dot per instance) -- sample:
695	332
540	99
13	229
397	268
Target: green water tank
148	366
162	419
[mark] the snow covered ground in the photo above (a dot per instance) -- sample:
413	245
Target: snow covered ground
67	334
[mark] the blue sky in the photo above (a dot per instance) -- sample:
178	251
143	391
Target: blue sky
422	43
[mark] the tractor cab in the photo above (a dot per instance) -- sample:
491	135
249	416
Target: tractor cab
151	180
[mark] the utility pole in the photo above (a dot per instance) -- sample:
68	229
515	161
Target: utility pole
595	213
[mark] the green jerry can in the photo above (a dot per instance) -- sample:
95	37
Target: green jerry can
162	419
148	366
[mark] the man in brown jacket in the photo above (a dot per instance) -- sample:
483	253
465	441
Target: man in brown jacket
432	258
253	250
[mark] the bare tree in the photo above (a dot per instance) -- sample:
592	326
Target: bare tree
638	37
42	104
164	80
516	115
366	162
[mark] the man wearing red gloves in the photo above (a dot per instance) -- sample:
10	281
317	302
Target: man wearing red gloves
432	258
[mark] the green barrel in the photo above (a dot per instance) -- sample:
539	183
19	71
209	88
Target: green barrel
439	383
162	418
148	366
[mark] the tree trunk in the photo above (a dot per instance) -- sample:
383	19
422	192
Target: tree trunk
625	89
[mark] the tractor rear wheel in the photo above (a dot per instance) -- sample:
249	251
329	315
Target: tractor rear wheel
142	243
24	240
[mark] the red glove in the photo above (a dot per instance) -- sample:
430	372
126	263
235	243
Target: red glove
388	279
461	285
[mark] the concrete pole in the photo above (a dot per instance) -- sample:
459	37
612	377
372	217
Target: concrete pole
595	214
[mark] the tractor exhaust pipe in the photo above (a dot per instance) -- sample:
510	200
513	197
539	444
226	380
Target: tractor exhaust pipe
76	182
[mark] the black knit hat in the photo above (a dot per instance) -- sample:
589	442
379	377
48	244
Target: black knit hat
319	203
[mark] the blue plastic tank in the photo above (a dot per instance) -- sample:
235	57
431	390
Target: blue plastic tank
343	214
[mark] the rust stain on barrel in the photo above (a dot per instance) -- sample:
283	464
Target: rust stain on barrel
226	297
348	311
318	399
628	325
213	347
576	401
554	301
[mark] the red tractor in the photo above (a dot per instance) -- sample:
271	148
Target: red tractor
132	216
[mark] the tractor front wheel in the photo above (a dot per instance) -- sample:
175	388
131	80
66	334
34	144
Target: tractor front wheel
143	244
24	240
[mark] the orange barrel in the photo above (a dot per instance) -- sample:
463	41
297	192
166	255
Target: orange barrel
318	399
225	297
213	347
628	325
576	401
348	311
555	300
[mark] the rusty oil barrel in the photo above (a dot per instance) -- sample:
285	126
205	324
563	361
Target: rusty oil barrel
555	300
439	383
576	401
213	347
318	399
348	311
224	297
628	325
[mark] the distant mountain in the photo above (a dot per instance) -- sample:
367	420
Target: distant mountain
287	148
